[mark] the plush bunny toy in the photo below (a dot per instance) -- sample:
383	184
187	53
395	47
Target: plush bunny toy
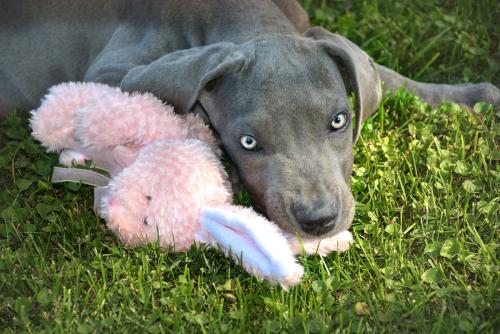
167	183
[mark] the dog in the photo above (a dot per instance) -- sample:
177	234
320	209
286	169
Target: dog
275	90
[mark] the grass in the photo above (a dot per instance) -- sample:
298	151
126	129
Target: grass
425	257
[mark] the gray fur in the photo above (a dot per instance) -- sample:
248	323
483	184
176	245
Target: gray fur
435	94
250	67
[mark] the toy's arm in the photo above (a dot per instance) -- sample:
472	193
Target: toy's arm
338	243
128	119
258	243
197	129
53	123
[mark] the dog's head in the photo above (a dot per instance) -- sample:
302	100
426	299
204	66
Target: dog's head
280	106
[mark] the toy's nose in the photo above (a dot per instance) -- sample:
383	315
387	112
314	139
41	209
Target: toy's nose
317	219
113	201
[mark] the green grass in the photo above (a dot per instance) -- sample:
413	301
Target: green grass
436	41
426	182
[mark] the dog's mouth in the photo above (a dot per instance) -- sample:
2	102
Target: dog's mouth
318	229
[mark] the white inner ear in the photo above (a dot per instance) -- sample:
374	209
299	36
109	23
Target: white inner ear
259	241
125	156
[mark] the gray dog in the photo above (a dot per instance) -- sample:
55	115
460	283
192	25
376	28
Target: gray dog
275	91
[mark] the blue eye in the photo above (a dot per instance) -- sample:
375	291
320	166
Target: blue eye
248	142
339	121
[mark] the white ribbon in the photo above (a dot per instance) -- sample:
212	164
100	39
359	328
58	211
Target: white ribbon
85	176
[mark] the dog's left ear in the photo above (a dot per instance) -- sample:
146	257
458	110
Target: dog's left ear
180	76
358	72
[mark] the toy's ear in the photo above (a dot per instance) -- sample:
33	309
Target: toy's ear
358	71
125	156
179	77
250	237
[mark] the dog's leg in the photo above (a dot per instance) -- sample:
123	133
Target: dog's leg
434	94
130	46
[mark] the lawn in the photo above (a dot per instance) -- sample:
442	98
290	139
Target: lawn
426	181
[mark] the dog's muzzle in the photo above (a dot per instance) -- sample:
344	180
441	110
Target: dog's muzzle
317	219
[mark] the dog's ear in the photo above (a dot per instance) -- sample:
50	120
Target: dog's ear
358	71
179	77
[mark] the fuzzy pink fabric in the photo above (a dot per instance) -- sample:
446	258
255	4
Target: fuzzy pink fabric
265	251
159	197
113	128
131	119
165	171
84	118
321	246
53	123
199	130
178	179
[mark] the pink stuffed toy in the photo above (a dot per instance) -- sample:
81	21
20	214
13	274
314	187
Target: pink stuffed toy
167	182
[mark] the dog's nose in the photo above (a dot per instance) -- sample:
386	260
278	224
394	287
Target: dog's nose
317	220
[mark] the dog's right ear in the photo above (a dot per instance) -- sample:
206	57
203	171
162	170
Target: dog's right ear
179	77
357	68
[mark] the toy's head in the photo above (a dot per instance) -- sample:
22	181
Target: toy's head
159	196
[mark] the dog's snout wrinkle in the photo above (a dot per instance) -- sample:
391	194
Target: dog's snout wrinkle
306	193
277	208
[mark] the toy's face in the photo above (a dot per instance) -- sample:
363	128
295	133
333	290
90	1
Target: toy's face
131	212
159	196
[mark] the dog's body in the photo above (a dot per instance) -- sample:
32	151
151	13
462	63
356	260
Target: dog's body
47	42
276	97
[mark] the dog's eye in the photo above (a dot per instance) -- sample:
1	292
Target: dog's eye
248	142
339	121
209	87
